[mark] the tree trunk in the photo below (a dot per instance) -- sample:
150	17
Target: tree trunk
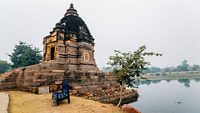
120	97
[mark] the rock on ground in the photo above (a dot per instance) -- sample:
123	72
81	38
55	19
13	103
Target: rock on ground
127	108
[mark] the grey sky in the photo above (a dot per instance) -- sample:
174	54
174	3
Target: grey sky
170	27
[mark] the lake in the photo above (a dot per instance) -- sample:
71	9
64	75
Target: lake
168	96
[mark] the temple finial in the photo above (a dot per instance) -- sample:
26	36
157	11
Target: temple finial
71	6
71	11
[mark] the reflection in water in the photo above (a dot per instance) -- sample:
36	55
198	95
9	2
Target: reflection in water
142	82
197	79
155	81
185	81
168	80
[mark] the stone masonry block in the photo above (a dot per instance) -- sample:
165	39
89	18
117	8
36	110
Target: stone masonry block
43	90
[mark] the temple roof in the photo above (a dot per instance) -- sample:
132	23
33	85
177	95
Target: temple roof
72	23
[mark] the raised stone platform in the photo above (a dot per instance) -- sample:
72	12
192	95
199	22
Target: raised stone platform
92	85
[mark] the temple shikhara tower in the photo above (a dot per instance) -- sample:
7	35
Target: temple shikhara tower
70	43
68	54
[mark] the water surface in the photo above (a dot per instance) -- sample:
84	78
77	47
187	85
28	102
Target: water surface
171	96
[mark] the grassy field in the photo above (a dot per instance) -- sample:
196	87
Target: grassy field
23	102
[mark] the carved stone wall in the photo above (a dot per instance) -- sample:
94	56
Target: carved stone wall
79	56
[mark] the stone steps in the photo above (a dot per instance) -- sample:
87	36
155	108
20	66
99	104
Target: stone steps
8	81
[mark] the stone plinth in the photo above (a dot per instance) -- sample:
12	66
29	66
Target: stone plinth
92	85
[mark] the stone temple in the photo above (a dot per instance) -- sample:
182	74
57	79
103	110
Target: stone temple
70	43
68	54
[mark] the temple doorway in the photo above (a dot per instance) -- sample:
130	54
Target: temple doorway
52	53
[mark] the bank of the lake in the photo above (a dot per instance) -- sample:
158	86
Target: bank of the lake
172	76
23	102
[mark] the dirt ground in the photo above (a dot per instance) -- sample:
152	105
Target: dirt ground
23	102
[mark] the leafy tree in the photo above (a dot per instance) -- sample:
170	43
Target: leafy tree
184	66
25	55
195	67
4	66
186	82
128	66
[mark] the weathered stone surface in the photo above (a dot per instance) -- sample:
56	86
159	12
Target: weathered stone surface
53	88
58	82
43	90
128	96
77	87
36	84
58	71
127	108
73	92
34	90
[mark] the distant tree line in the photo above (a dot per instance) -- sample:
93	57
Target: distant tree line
106	69
184	66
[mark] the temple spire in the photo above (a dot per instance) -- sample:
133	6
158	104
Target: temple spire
71	11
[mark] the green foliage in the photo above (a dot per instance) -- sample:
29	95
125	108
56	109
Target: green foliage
195	68
4	66
184	66
25	55
128	66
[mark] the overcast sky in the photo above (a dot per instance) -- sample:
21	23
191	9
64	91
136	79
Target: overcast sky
171	27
